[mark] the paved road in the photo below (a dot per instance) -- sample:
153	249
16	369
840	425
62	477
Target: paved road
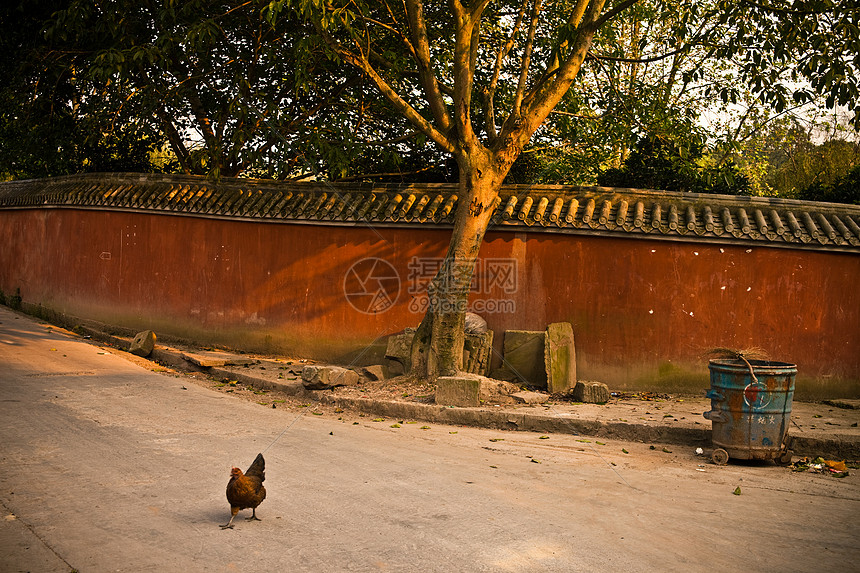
110	467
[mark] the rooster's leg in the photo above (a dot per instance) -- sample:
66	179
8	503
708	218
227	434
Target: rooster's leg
253	515
229	524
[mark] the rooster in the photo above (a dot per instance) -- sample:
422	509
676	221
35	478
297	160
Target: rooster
246	491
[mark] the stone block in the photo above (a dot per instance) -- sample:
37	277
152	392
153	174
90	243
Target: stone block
591	392
497	391
394	368
477	350
523	358
399	348
463	390
559	358
143	343
374	372
317	377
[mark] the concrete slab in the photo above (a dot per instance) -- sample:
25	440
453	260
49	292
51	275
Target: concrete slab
207	359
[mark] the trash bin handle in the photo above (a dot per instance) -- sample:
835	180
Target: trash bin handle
715	416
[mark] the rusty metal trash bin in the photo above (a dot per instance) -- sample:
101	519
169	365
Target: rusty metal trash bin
750	409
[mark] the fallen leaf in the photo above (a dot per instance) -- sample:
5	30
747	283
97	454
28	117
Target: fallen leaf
625	451
737	490
395	425
534	461
543	438
667	451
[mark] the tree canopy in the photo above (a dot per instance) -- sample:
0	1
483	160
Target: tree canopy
245	88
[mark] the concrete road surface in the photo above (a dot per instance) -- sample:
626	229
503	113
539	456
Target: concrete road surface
107	466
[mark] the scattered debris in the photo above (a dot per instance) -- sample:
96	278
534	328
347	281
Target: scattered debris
646	396
821	466
699	451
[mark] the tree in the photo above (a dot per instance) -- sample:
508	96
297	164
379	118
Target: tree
109	84
408	49
53	121
661	164
846	189
480	79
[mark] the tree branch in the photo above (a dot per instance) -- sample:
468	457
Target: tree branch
538	109
638	60
418	31
616	10
490	91
527	54
401	106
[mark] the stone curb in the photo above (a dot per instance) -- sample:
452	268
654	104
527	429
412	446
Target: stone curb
506	420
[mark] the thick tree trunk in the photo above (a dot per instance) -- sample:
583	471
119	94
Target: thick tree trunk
437	349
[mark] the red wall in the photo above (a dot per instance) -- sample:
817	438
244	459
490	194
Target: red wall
644	312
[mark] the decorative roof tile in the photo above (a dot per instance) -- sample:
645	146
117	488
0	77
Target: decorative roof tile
542	208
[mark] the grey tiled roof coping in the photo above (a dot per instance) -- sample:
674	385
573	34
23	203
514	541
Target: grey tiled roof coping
615	212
